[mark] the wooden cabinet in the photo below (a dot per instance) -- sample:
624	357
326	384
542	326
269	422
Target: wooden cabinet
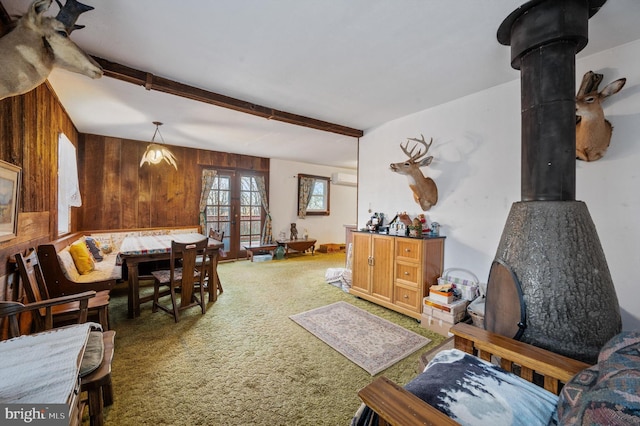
395	272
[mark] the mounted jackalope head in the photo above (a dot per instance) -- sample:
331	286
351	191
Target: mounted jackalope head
38	43
425	191
593	131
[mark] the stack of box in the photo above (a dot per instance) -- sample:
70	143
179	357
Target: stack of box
440	317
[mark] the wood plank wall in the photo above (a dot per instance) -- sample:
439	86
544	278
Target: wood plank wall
116	192
29	127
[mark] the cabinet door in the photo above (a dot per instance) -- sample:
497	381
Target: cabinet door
360	269
382	251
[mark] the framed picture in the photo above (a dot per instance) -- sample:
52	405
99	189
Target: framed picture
9	195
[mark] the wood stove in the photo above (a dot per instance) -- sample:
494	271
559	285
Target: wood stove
549	284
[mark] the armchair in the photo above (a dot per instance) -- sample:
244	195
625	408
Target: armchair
95	370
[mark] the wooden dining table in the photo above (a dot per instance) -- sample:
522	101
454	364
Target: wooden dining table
149	248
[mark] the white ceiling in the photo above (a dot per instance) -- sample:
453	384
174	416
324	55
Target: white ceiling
357	63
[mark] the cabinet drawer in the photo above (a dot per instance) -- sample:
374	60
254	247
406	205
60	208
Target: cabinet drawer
408	273
407	298
408	249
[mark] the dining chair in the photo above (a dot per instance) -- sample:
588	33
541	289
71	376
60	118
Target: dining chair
95	368
211	267
186	278
36	291
219	236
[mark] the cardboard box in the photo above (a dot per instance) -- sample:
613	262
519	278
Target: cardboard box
441	296
331	248
436	325
452	312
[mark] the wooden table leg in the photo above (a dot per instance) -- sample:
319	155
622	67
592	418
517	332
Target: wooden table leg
213	276
133	301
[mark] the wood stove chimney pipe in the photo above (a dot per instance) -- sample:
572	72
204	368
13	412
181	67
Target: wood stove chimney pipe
545	36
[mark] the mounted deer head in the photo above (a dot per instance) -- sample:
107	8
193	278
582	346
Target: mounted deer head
39	43
425	191
593	131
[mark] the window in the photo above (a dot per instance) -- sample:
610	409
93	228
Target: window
313	195
68	187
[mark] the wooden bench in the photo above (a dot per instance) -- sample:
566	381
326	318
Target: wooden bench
60	274
58	279
397	406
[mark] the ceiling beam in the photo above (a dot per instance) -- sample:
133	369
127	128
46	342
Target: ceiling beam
153	82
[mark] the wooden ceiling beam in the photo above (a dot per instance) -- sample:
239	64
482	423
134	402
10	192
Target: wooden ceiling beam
153	82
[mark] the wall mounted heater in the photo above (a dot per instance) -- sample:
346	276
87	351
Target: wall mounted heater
344	179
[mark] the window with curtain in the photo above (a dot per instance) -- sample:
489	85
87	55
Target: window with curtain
313	195
68	185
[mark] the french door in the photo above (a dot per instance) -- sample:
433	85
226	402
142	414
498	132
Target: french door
234	206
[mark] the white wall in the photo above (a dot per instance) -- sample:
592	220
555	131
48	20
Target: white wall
476	166
283	195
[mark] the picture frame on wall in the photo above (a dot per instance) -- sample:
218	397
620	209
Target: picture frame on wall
10	176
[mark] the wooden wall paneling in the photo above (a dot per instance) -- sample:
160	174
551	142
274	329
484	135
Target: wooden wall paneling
90	152
112	185
151	195
33	229
145	192
130	172
29	126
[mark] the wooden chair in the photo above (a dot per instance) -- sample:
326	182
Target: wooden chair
36	291
216	235
397	406
211	267
97	383
187	278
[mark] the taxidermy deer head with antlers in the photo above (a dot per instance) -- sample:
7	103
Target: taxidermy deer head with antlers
593	131
38	43
425	191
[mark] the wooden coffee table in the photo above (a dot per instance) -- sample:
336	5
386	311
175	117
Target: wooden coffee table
259	248
299	245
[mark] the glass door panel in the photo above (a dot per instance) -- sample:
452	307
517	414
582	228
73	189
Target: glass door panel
234	206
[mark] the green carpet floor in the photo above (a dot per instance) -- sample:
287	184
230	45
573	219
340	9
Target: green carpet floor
244	362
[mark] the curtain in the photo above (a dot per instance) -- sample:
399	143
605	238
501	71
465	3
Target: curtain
68	175
208	176
267	232
304	194
68	185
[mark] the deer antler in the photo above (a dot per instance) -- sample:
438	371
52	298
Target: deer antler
419	154
69	13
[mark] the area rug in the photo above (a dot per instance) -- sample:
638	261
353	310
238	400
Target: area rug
370	342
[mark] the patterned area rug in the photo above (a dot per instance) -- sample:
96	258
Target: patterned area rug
370	342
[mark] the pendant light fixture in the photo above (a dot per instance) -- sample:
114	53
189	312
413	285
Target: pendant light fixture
155	152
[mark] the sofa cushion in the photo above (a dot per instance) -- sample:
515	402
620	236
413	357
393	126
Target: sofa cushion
474	392
606	393
81	257
92	245
68	266
93	353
